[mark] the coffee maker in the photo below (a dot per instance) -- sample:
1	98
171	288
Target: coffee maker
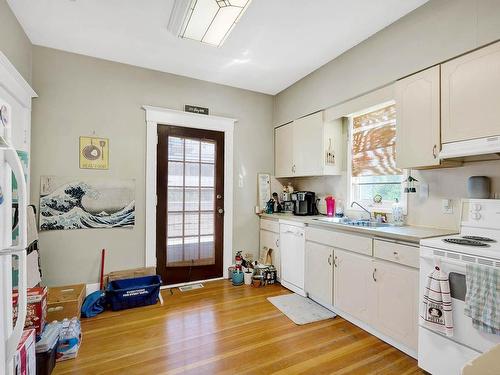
304	203
287	204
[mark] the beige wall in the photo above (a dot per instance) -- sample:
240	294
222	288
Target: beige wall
437	31
13	42
81	95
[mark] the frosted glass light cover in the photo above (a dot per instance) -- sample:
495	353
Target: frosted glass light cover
211	21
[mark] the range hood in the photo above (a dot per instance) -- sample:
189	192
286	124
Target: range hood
473	147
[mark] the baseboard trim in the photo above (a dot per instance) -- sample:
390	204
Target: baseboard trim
411	352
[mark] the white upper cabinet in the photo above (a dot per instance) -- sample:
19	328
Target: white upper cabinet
418	120
283	147
309	147
470	95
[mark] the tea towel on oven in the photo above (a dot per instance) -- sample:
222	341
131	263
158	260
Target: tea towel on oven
436	305
482	301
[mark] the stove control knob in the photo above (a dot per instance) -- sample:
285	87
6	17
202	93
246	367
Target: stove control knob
476	207
476	216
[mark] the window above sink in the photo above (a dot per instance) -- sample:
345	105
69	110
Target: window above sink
372	176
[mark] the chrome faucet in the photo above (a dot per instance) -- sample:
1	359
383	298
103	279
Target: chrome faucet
364	209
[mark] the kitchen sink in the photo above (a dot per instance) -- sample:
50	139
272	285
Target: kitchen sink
333	220
356	223
367	224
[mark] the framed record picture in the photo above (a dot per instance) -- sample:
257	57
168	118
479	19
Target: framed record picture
94	153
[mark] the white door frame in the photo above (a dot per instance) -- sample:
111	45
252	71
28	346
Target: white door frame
163	116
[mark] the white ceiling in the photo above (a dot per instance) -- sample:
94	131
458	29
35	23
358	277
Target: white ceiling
276	42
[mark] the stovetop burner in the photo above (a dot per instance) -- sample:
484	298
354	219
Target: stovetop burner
464	241
479	238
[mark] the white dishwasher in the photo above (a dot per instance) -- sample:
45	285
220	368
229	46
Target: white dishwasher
292	249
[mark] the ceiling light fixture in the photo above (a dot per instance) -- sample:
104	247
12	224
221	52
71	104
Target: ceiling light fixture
207	21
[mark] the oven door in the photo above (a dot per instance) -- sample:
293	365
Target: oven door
454	265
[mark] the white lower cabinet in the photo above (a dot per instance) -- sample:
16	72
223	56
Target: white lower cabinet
270	241
353	284
396	302
372	282
319	273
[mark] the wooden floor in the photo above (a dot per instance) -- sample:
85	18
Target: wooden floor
222	329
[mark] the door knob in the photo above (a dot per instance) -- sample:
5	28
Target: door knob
220	210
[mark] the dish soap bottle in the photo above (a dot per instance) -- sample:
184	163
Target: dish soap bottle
397	213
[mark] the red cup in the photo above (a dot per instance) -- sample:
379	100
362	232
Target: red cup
330	206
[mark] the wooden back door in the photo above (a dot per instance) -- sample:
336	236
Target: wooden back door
190	208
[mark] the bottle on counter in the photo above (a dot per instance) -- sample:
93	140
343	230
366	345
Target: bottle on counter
397	213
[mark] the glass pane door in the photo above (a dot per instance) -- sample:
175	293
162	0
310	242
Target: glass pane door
190	202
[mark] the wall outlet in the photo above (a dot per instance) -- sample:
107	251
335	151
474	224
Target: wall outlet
447	206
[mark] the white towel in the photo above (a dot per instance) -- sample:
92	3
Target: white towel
437	310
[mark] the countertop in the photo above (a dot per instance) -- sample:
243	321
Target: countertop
406	233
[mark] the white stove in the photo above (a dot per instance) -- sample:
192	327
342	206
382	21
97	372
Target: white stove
478	242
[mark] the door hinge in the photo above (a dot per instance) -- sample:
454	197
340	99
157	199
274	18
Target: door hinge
156	200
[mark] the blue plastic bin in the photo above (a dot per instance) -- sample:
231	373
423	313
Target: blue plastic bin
128	293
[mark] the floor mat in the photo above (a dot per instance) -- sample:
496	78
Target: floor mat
301	310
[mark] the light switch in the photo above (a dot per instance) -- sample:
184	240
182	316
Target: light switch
447	206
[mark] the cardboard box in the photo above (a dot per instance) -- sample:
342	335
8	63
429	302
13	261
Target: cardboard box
129	274
65	302
25	358
36	315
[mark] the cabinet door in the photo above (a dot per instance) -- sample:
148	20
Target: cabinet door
353	285
319	272
396	312
308	145
470	95
292	246
283	151
418	120
270	240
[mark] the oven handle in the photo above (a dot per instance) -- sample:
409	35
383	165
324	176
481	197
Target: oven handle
439	260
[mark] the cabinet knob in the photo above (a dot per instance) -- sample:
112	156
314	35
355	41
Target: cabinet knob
373	275
335	262
330	259
434	151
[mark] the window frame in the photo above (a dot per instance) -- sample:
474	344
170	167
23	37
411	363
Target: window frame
385	206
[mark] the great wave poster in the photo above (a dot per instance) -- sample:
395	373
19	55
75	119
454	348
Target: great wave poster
77	203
